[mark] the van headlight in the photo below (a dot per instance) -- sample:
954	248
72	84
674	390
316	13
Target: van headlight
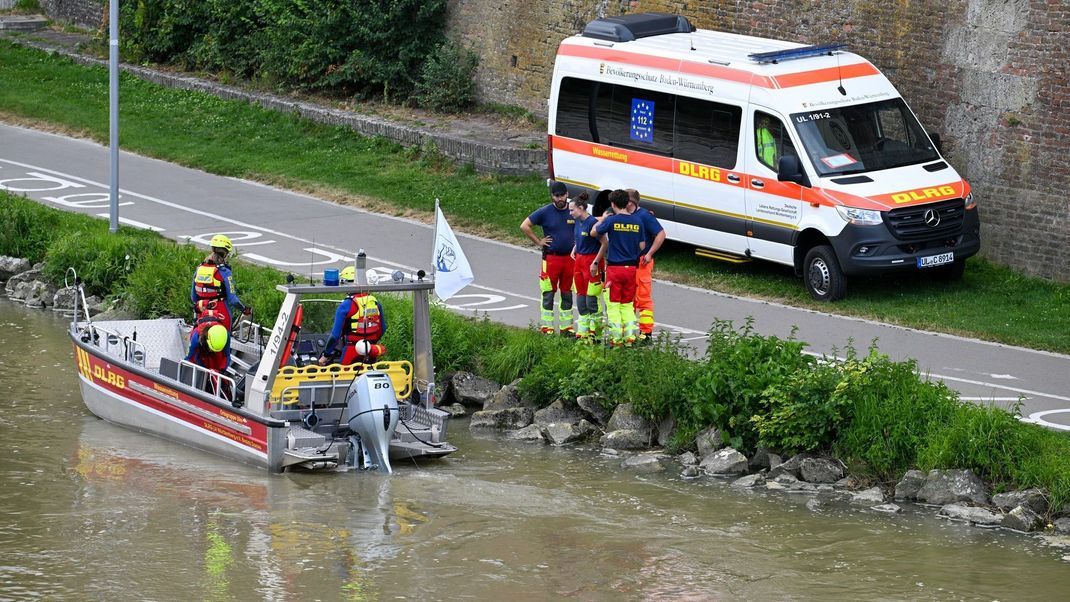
859	217
971	203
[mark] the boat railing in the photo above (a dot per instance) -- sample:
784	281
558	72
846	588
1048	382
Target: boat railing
210	381
247	331
115	345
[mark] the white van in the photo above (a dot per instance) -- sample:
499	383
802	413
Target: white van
754	148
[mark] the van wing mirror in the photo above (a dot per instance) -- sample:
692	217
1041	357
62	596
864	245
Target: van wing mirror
937	142
789	169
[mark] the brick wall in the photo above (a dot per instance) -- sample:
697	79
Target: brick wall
89	14
990	75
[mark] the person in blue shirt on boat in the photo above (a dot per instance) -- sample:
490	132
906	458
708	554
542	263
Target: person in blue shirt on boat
623	238
359	324
214	282
557	265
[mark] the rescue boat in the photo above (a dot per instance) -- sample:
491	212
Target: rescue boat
274	408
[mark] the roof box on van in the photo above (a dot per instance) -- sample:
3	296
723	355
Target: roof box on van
626	28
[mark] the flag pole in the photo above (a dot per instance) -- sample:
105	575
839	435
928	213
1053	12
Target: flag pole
434	243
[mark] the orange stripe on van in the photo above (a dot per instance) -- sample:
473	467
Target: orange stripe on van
665	64
609	153
786	80
830	74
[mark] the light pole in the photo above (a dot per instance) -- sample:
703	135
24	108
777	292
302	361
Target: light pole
113	109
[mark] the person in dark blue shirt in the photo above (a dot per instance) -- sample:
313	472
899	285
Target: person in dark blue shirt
557	265
644	274
623	238
588	287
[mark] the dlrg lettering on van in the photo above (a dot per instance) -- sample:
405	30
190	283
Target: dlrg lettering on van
754	148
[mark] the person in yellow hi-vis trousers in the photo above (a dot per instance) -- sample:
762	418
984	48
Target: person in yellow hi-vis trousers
557	265
588	287
644	274
622	241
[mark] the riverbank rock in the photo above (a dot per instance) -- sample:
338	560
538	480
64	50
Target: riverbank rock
506	397
907	488
887	508
763	459
22	277
456	410
646	463
625	417
37	294
690	472
973	514
1061	526
502	419
850	483
665	430
688	459
562	411
749	481
820	470
788	482
873	495
791	466
1022	518
9	266
724	462
595	409
531	432
561	433
626	439
1034	499
949	486
470	390
709	441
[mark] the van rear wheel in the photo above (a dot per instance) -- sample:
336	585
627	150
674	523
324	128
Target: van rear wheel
822	275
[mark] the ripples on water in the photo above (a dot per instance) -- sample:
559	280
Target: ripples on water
92	511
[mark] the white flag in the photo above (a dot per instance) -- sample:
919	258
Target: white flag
452	271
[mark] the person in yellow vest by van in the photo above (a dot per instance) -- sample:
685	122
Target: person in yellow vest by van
766	141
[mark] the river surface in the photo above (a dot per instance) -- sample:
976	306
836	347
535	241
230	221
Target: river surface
91	511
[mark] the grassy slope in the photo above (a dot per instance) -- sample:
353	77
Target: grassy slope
236	139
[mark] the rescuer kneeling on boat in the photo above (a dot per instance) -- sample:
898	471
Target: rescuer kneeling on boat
213	282
209	347
359	323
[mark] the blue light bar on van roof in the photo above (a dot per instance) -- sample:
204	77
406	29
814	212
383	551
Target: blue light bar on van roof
795	53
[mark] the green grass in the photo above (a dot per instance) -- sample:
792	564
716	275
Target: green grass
237	139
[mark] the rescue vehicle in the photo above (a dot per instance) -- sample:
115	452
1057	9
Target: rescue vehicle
751	148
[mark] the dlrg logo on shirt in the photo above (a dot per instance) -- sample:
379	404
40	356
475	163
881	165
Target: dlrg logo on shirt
618	227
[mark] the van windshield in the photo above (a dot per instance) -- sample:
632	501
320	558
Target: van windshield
862	138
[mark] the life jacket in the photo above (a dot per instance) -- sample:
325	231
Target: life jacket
208	282
363	322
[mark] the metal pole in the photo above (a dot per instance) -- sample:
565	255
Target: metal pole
113	109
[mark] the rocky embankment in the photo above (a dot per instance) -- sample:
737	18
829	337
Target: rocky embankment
955	494
26	283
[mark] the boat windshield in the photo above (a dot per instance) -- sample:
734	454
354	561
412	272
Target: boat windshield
863	138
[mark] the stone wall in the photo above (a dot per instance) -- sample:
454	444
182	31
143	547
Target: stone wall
89	14
991	76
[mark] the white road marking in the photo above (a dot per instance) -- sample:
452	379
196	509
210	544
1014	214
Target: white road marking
1038	418
134	223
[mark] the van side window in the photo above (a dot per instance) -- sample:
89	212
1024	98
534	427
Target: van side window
771	140
575	100
634	118
707	132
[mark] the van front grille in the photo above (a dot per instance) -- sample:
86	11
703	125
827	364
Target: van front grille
917	223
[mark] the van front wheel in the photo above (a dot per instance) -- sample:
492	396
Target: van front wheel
822	275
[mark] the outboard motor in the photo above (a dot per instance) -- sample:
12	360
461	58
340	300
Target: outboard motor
372	409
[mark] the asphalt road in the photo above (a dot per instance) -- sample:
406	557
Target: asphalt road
303	234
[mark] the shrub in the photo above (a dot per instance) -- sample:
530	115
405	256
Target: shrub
102	259
28	227
737	369
446	81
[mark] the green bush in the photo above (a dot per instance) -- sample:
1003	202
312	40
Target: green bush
103	260
28	227
366	48
446	81
738	367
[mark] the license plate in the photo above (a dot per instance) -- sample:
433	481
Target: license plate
935	260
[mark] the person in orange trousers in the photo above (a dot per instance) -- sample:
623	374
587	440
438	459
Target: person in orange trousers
644	276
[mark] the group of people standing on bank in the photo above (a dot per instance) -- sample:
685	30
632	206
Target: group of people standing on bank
606	260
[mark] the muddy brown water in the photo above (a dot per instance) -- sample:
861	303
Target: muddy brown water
91	511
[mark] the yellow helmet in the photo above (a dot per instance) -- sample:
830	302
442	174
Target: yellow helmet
349	274
217	337
222	242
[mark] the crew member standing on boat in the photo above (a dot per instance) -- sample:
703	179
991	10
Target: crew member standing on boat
557	265
359	323
623	239
213	282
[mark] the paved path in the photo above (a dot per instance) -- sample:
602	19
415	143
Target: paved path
302	234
